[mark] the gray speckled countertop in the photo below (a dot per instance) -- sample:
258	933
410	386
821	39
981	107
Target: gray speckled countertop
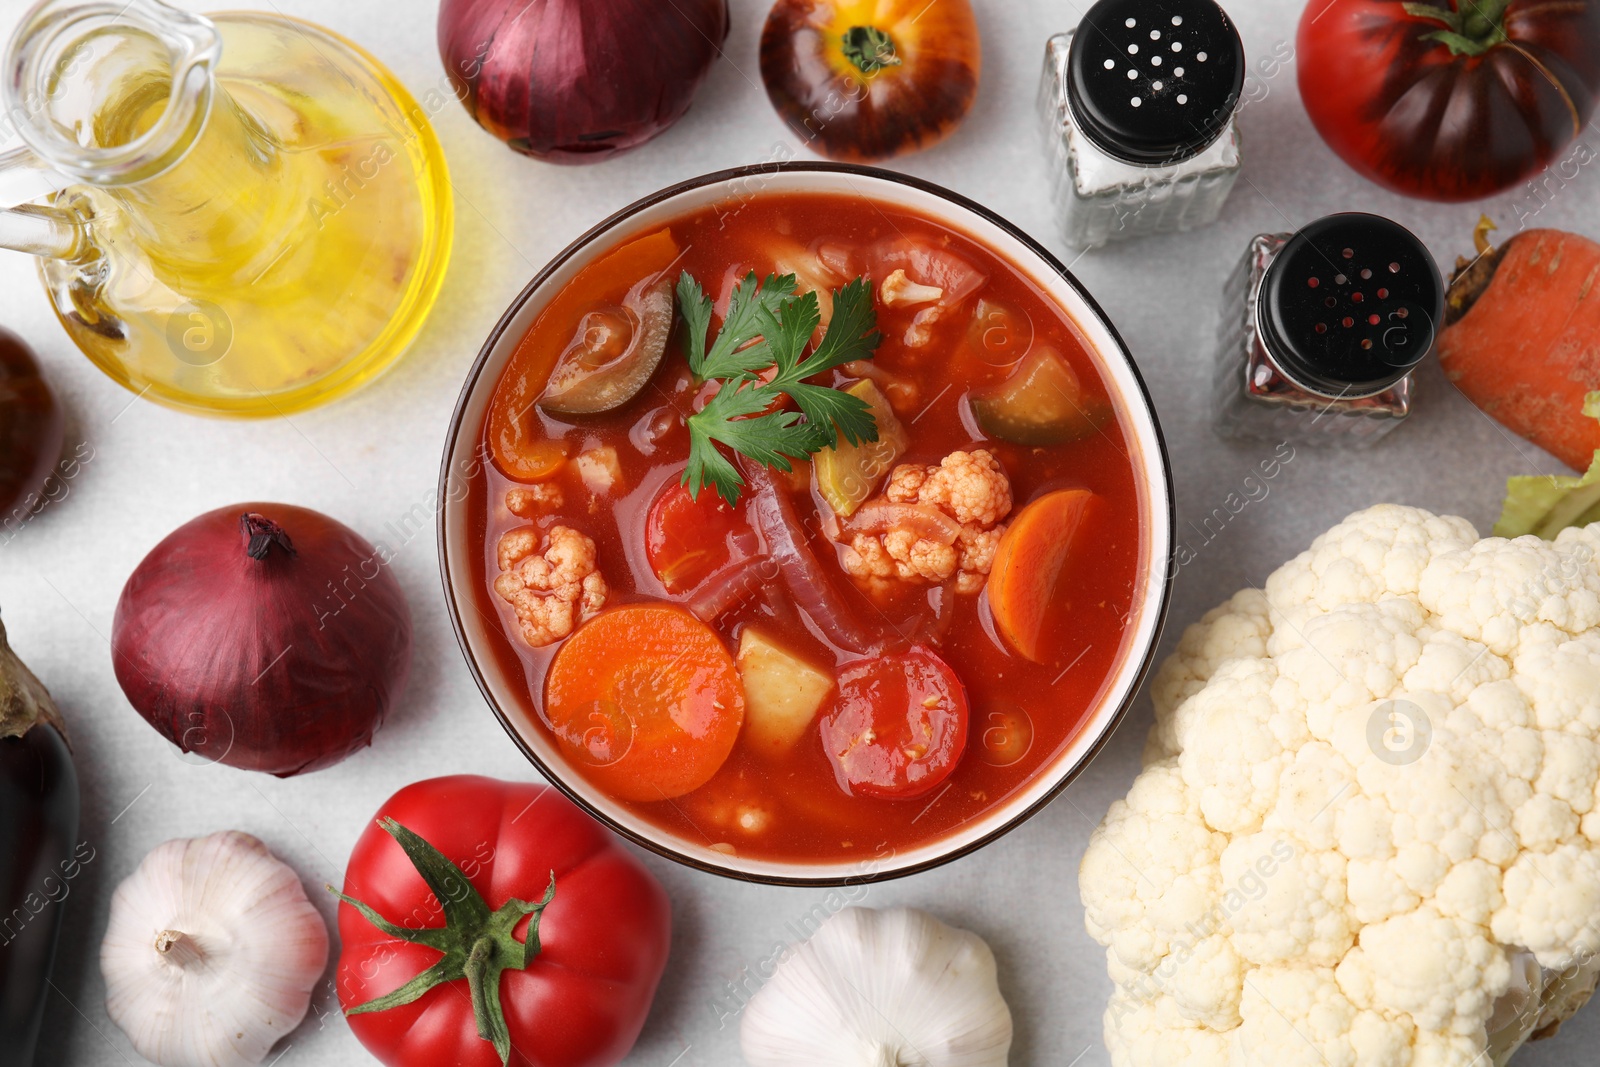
369	459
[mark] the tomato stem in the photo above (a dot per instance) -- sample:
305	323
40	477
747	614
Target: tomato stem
1472	27
869	48
477	944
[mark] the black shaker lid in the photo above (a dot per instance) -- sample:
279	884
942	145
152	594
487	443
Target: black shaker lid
1154	81
1351	304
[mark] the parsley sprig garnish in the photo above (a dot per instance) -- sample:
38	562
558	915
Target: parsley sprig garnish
759	356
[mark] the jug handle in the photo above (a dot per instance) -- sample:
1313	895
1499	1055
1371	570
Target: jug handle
37	229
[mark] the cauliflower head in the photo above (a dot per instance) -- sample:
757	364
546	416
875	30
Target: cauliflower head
1368	828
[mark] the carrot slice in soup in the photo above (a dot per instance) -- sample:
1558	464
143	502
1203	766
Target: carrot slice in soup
1028	563
645	701
605	281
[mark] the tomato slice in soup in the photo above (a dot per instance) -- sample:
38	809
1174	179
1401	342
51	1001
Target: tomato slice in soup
898	726
686	537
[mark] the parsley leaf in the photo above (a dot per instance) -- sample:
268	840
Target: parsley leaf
851	336
752	313
759	357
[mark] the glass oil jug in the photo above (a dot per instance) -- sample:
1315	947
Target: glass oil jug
244	215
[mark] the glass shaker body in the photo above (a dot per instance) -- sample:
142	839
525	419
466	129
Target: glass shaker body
1346	377
1100	198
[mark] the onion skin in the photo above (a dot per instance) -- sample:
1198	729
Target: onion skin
283	664
578	81
846	113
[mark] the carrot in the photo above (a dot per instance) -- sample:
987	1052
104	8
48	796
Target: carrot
1027	566
645	701
1523	342
605	281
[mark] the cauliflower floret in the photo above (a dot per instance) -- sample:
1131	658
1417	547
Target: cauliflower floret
921	557
1158	1030
551	591
531	501
970	487
1299	1018
600	469
898	290
1369	786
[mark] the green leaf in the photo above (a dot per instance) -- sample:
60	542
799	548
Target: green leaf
446	970
515	911
869	48
752	313
1547	504
462	904
770	440
476	944
1470	29
695	306
1459	44
1434	13
835	413
759	357
797	321
431	936
483	988
852	332
708	466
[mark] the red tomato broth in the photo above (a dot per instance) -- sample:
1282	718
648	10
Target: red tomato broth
796	802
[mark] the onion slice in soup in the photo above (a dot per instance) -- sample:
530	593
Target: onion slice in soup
743	579
924	520
812	588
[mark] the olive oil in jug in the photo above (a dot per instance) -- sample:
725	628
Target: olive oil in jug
254	216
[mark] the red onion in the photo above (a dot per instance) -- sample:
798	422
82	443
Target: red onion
924	520
737	582
263	636
576	81
808	583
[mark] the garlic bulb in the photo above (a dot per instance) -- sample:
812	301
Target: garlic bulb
211	953
892	988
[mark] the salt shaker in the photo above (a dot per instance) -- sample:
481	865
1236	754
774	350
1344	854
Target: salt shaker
1139	104
1321	330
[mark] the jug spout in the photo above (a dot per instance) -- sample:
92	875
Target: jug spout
42	231
68	56
35	228
122	97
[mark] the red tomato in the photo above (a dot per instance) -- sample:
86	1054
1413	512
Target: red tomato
602	939
686	538
1452	105
898	725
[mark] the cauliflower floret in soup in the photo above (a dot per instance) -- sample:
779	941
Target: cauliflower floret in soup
970	487
551	589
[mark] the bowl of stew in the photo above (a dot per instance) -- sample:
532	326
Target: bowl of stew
806	523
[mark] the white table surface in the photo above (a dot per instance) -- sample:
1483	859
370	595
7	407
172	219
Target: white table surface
369	459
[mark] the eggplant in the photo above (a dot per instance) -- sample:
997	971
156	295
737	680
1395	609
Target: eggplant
38	857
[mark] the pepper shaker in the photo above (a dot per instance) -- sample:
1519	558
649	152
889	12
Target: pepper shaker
1139	108
1322	328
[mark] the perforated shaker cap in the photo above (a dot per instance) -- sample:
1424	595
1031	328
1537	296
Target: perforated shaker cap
1154	81
1351	304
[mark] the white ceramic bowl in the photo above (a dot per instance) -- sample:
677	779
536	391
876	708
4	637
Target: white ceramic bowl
457	547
